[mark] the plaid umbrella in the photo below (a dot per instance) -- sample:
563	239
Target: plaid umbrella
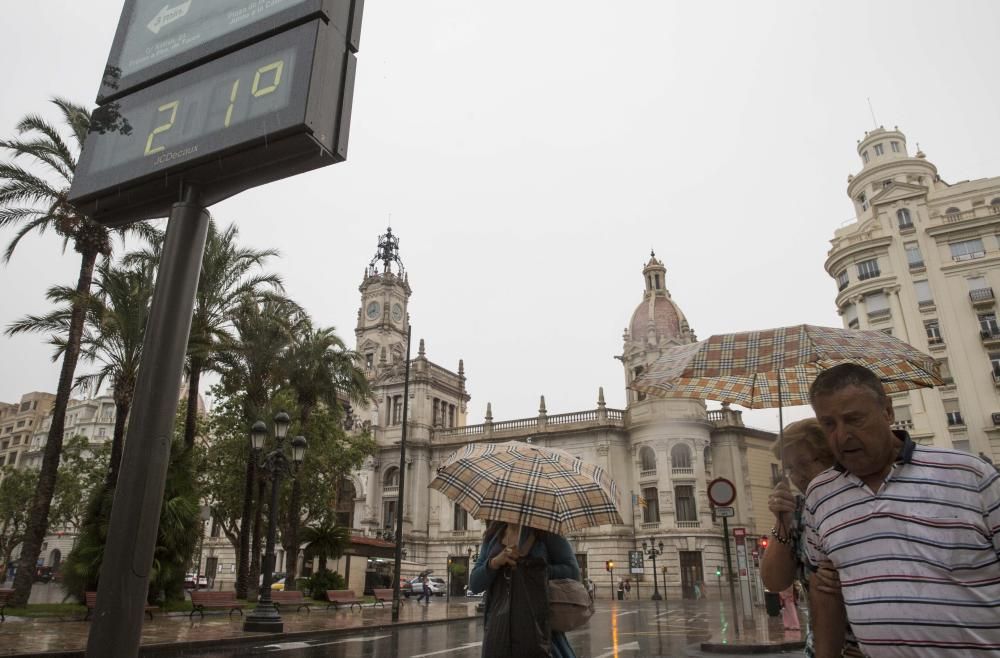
774	367
519	483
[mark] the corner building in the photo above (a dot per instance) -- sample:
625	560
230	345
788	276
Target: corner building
921	261
663	451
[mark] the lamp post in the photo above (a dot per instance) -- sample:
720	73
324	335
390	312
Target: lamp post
652	551
265	617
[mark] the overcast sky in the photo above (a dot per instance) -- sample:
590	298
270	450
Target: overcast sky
531	153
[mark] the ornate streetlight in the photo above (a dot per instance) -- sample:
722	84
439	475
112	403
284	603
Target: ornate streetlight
652	550
265	616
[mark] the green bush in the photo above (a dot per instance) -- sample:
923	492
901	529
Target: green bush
324	580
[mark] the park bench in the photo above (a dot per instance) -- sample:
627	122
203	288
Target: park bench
338	597
5	596
202	601
91	599
385	594
280	598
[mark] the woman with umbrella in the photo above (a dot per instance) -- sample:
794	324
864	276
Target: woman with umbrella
508	547
531	497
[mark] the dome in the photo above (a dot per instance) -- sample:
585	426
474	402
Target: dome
658	319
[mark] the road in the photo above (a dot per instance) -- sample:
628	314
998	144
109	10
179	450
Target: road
617	630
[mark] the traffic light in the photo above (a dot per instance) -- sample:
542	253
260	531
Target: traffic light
609	565
763	542
718	572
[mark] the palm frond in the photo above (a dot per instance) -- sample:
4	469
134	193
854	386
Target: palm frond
39	223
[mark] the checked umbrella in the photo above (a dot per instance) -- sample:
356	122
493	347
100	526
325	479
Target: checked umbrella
522	484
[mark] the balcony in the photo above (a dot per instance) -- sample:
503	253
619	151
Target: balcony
682	470
981	297
905	425
989	332
689	524
649	525
995	374
390	491
647	474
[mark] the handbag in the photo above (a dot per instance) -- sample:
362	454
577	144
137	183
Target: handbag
569	604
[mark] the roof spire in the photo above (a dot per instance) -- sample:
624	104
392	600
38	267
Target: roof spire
388	253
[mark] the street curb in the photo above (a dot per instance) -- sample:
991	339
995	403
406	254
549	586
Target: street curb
193	647
718	647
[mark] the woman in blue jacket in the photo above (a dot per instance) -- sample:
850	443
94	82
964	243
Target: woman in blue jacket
505	548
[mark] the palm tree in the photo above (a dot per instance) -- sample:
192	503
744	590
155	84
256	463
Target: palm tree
326	540
252	368
320	370
228	277
32	203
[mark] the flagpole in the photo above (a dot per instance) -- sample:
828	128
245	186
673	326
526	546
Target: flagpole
635	545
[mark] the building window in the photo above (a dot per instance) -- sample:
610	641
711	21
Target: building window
775	473
684	496
894	146
651	511
680	457
995	202
851	315
933	329
389	514
648	458
879	150
886	183
102	431
842	280
877	305
864	156
903	217
923	290
370	360
461	518
913	256
639	396
868	269
216	529
946	372
988	327
903	419
863	201
952	211
967	249
995	365
953	413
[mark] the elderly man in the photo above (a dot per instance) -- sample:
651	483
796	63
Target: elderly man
913	532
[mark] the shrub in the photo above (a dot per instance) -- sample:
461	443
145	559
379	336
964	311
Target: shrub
324	580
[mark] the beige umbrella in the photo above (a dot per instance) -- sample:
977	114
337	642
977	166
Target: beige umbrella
522	484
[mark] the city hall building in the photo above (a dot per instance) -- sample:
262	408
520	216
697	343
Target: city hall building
662	453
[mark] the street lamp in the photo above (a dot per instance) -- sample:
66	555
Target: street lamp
652	551
265	617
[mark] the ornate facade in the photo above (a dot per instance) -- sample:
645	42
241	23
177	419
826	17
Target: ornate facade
662	453
921	261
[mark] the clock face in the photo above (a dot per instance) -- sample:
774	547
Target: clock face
397	312
373	310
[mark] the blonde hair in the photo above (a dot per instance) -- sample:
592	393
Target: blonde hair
809	432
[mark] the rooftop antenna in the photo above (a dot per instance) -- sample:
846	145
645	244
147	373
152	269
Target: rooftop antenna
874	120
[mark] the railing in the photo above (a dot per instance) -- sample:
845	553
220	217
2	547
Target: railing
996	376
870	274
981	295
516	424
650	525
573	417
682	470
715	415
903	425
465	430
982	211
689	524
390	490
616	414
648	473
917	265
989	328
879	313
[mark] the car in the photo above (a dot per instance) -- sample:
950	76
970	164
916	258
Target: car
471	594
189	581
278	585
438	586
405	588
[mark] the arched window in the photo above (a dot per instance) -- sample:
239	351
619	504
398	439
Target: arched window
952	211
680	457
903	217
995	202
55	557
648	458
391	477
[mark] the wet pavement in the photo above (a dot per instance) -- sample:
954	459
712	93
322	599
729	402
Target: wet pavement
449	630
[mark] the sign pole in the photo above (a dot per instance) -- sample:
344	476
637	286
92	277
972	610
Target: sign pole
398	557
729	572
116	628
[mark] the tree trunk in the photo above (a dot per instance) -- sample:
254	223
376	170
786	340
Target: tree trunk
243	557
291	538
42	500
258	533
191	419
117	441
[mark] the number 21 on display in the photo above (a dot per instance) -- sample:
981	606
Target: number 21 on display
259	88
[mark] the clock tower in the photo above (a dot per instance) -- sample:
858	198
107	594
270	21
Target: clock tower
383	317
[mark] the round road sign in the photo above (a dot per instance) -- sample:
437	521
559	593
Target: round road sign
721	492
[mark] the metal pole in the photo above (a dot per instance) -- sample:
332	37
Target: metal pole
402	474
612	583
729	571
116	628
656	586
265	618
447	591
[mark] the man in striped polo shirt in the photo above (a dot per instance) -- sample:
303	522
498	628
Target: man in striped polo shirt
913	532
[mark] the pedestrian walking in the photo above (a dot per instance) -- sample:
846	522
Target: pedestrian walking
913	532
513	569
628	588
425	590
621	589
592	589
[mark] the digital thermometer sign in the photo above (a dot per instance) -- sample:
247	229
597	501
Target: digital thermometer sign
272	109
